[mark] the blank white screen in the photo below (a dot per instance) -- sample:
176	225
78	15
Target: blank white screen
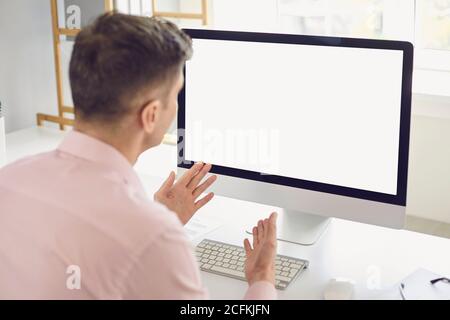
323	114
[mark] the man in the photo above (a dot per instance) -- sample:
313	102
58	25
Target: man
75	223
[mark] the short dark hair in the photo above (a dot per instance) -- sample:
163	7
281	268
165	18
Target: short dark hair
118	56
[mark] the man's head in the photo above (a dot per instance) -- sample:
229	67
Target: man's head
126	73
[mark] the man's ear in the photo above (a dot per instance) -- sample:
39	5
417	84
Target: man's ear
150	115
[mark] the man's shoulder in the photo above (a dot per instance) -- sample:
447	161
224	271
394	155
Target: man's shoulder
88	190
24	165
27	160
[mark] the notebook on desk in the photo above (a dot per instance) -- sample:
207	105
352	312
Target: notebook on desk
417	286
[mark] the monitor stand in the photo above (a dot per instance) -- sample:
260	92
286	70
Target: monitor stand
300	228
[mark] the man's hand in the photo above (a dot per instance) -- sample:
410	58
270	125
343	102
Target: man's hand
180	197
260	263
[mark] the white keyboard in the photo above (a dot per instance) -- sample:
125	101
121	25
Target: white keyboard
229	260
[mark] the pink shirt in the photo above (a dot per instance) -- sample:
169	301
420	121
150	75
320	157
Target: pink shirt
81	211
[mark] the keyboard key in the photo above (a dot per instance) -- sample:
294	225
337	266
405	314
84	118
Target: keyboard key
282	278
228	271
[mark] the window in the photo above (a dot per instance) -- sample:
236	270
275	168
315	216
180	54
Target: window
433	24
363	18
426	23
433	35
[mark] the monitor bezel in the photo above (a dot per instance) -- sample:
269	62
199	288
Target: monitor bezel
405	113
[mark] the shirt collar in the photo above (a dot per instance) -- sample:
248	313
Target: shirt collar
84	146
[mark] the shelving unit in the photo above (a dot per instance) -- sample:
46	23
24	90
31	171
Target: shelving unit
57	33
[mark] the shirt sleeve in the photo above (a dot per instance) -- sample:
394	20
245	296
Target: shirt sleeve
167	269
261	290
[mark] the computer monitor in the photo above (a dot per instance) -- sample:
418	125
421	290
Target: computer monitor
318	126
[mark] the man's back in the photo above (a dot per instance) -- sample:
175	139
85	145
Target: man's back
80	210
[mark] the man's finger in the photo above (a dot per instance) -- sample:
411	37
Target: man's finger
272	232
273	218
247	247
205	185
188	175
168	183
195	181
255	237
200	203
266	227
260	231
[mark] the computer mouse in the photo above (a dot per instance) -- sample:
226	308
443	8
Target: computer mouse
339	289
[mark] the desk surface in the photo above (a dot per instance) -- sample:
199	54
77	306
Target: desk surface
375	258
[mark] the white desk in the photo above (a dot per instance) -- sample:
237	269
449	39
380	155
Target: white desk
371	256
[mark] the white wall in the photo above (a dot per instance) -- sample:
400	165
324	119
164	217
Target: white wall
27	79
429	164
